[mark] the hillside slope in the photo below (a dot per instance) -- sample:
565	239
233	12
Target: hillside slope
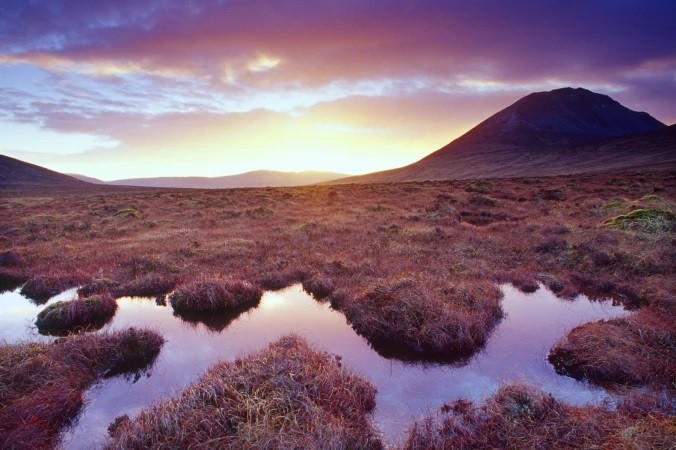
258	178
559	132
16	174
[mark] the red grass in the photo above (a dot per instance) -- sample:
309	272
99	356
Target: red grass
636	350
288	395
214	296
11	279
149	285
399	313
99	286
522	417
43	287
41	385
83	314
319	287
361	236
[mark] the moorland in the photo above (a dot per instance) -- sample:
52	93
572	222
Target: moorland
414	267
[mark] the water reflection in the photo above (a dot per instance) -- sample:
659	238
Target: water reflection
516	351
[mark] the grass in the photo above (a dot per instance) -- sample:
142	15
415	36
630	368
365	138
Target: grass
214	303
317	286
288	395
11	279
83	314
413	323
636	350
362	241
99	286
214	296
149	285
41	385
519	416
647	220
43	287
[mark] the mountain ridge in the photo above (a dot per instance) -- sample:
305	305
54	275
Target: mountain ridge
255	178
568	130
17	174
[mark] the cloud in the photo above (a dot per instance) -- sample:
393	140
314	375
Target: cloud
273	83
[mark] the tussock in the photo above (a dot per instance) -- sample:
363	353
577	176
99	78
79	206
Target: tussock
520	416
83	314
636	350
41	385
288	395
214	296
43	287
398	314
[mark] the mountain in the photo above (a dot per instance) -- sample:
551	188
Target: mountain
547	133
86	178
16	174
258	178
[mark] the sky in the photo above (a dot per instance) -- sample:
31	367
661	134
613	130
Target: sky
126	88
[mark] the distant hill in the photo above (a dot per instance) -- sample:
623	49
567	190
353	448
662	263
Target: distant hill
258	178
16	174
547	133
86	178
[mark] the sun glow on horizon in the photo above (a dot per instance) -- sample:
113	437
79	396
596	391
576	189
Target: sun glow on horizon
146	89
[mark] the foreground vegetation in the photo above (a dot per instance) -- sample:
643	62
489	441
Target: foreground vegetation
288	395
413	266
519	416
82	314
441	246
41	385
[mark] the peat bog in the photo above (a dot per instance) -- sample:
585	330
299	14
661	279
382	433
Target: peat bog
434	251
516	351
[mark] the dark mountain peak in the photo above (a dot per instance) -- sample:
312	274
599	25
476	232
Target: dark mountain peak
568	130
561	116
16	174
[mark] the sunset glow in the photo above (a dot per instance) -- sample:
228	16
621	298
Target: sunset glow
221	87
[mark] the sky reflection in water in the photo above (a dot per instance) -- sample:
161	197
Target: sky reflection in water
516	351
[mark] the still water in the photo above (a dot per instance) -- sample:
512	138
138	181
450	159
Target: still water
516	351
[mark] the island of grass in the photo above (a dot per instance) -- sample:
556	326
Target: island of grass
43	287
637	350
82	314
41	385
288	395
520	416
647	220
402	320
214	296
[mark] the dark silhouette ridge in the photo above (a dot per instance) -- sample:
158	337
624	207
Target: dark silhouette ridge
257	178
16	174
559	132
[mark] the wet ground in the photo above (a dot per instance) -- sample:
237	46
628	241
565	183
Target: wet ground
516	351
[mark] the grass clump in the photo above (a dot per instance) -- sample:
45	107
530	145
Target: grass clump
11	279
288	395
319	287
647	220
41	385
214	296
149	285
83	314
519	416
43	287
9	258
98	286
127	213
399	317
636	350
